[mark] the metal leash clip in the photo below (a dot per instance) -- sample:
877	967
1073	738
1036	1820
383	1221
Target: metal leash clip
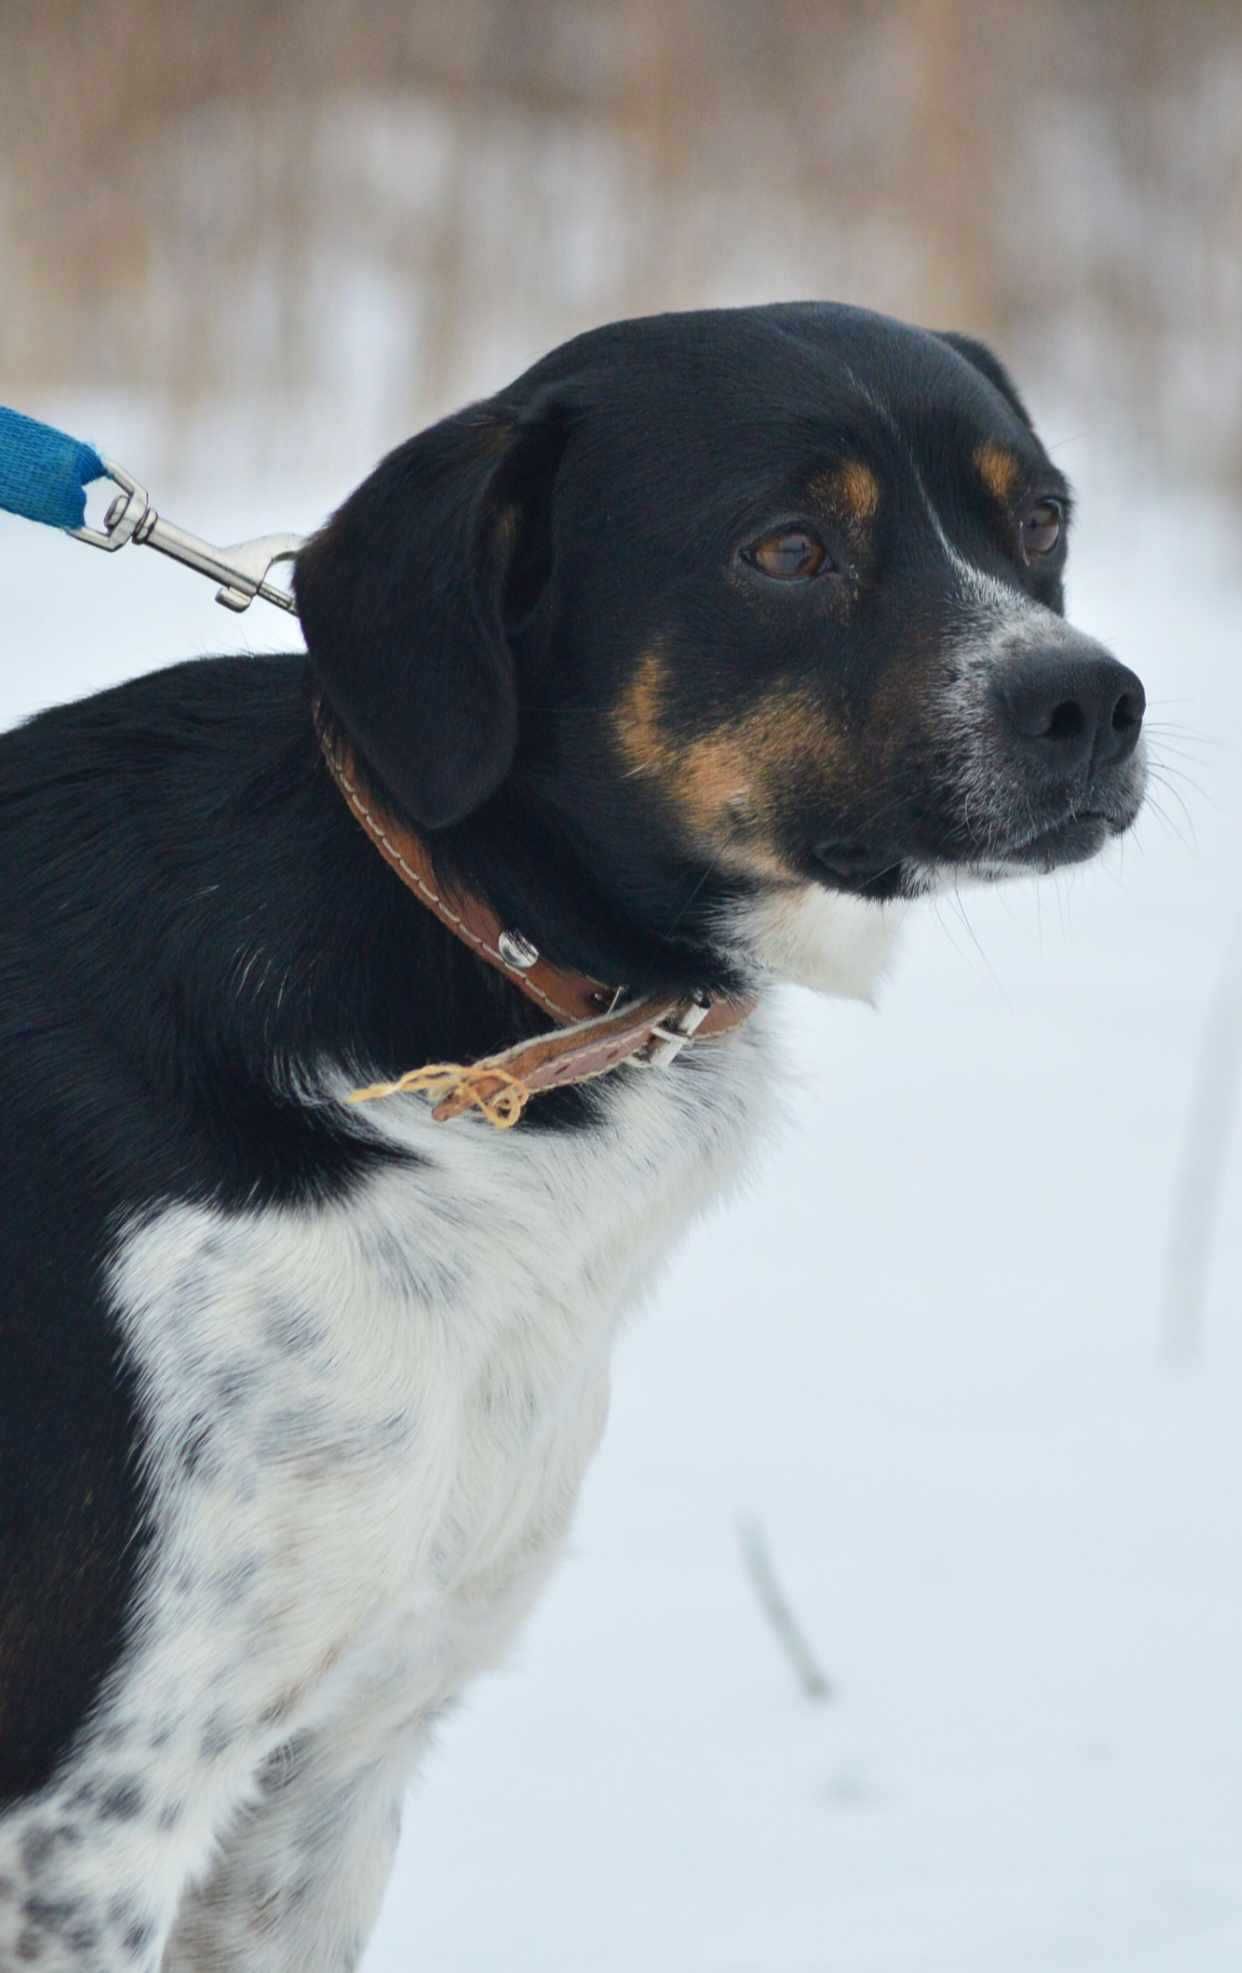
243	571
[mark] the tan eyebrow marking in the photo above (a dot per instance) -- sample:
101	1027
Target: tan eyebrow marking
998	469
851	486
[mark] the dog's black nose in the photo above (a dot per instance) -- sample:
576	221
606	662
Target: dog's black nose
1072	707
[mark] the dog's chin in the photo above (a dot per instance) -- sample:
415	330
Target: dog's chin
836	931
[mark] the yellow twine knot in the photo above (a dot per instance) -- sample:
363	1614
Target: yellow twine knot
461	1087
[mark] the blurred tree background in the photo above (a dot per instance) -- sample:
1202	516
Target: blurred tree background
337	217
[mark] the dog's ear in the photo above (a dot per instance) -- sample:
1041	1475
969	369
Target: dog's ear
404	597
980	358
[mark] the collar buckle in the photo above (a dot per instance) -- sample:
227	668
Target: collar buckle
669	1037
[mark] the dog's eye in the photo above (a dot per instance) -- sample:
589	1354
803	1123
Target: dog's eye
789	555
1041	528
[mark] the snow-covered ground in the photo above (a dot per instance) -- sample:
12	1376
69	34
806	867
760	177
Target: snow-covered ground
924	1354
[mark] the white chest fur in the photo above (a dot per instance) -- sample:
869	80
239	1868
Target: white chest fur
369	1421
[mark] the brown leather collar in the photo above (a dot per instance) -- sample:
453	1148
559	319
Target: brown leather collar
597	1029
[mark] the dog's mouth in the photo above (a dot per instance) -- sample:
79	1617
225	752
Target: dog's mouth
1073	840
859	869
885	871
1076	833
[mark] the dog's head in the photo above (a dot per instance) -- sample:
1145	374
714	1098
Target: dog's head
726	610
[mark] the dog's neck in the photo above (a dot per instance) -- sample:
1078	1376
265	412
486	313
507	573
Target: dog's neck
533	874
598	1027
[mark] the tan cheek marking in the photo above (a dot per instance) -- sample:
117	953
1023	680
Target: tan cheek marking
722	786
998	469
636	721
713	783
727	783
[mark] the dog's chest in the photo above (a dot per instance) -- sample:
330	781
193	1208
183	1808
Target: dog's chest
370	1421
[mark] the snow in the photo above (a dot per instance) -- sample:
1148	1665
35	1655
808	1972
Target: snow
924	1353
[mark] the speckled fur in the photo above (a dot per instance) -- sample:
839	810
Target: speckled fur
369	1423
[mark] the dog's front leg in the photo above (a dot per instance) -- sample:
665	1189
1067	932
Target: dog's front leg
298	1883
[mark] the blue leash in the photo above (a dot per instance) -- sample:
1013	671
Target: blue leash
44	475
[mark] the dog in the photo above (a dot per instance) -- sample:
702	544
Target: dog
375	1019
